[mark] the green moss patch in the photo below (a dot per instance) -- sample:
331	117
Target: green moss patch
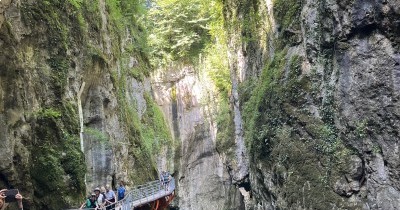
304	152
58	165
287	16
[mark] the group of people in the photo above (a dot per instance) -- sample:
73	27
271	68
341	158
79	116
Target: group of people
99	198
104	197
3	204
165	178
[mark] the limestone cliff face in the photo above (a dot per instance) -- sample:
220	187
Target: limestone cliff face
52	54
188	99
322	117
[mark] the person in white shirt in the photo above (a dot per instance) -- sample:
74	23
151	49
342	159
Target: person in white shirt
100	196
110	197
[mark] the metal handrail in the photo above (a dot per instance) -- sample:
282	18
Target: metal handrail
142	194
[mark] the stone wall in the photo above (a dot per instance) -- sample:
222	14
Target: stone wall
189	102
321	108
49	50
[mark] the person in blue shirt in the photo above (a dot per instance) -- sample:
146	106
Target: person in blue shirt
121	191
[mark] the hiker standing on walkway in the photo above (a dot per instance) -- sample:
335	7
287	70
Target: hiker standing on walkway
121	191
166	178
110	197
100	197
103	193
162	179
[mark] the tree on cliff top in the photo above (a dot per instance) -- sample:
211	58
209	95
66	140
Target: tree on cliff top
179	29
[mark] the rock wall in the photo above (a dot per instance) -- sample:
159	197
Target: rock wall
189	102
318	93
49	51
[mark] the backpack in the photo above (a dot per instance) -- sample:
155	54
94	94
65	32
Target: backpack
166	177
121	193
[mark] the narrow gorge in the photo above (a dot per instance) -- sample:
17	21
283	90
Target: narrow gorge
250	105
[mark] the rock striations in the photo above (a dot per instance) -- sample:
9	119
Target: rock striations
52	53
313	116
319	94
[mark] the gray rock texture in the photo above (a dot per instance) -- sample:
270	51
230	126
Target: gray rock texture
188	101
46	55
345	110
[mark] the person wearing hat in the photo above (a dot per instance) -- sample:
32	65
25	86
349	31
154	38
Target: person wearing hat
106	203
91	202
100	196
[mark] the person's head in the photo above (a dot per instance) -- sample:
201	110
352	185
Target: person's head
97	191
107	187
93	196
102	189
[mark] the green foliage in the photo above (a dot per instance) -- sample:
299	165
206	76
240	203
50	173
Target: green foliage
246	24
273	103
57	162
47	171
129	15
76	3
246	89
376	149
361	128
73	163
287	16
250	22
65	26
263	112
297	167
115	11
44	14
89	18
303	151
140	69
225	128
69	115
179	29
144	139
48	113
59	66
96	134
287	12
215	61
155	118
